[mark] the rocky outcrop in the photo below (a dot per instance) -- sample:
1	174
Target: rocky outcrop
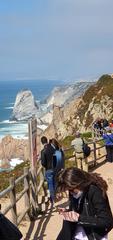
64	94
25	106
79	114
13	148
61	96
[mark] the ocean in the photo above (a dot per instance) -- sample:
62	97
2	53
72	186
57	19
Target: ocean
8	91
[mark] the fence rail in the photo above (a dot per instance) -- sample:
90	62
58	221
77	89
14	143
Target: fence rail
34	183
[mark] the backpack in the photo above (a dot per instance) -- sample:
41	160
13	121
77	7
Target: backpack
86	149
58	160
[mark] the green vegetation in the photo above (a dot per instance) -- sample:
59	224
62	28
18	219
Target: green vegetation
5	176
66	142
105	80
87	135
103	87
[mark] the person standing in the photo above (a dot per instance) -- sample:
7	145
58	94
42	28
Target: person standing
47	162
108	138
89	216
81	161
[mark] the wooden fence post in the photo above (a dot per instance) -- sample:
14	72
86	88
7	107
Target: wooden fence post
13	201
95	157
34	193
44	192
27	194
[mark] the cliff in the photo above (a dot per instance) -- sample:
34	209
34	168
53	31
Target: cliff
13	148
66	93
80	113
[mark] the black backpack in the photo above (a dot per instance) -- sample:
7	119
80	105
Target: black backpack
86	149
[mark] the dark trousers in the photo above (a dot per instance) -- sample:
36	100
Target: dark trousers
109	150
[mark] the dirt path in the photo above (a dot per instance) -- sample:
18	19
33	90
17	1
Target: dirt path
47	227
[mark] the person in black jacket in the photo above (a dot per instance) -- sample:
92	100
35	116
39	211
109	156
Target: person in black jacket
47	162
89	215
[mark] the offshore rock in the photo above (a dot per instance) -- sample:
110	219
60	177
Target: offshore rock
25	106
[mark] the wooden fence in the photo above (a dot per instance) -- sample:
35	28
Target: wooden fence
34	191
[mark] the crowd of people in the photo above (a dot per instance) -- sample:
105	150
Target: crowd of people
53	160
88	215
100	125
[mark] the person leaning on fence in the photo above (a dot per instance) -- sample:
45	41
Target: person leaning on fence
88	216
47	162
81	161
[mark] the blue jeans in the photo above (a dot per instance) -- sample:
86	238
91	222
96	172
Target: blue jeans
49	175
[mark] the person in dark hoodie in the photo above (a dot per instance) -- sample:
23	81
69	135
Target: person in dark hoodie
47	162
89	215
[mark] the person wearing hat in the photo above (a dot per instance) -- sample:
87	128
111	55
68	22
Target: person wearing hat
81	161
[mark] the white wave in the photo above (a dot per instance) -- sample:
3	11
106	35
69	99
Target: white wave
7	121
42	127
8	107
15	161
17	130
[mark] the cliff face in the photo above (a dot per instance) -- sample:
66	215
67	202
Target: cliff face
25	106
80	113
64	94
13	148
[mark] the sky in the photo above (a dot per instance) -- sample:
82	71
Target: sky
55	39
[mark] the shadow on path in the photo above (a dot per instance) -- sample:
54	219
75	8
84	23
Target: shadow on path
42	221
97	166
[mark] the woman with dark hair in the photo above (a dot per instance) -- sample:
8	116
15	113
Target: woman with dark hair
89	215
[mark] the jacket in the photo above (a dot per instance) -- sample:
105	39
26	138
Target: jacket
108	139
95	215
47	156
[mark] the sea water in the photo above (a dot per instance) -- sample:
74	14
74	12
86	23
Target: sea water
8	91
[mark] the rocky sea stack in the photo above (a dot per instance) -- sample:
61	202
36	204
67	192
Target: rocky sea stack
25	106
